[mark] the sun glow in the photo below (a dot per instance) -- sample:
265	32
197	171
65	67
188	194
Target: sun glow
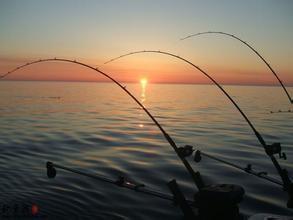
143	82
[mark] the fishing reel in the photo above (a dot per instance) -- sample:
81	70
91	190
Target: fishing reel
275	148
185	151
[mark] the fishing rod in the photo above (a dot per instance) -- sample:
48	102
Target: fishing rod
270	150
196	177
120	181
188	150
248	169
254	50
177	196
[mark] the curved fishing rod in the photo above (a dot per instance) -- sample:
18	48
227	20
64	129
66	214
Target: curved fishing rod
269	149
194	175
254	50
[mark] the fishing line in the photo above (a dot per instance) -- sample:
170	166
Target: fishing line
270	150
194	175
254	50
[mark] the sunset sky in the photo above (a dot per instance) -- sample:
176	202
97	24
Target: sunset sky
96	31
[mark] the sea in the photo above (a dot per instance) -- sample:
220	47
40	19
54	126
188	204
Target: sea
98	129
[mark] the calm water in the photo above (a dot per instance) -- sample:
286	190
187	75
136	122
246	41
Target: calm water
96	128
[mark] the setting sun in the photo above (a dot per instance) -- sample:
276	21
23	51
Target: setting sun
143	82
117	92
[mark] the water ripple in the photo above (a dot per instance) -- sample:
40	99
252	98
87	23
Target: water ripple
109	135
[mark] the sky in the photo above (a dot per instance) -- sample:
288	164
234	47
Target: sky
94	31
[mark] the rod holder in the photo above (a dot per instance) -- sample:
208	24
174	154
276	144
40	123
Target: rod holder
180	200
290	193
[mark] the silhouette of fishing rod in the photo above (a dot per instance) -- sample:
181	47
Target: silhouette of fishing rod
248	169
121	181
196	177
270	150
254	50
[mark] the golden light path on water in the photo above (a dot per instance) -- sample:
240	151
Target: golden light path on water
143	84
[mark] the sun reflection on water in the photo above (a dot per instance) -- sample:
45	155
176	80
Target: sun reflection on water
143	84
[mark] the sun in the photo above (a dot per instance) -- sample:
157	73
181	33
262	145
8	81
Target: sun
143	82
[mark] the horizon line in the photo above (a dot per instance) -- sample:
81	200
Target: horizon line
134	82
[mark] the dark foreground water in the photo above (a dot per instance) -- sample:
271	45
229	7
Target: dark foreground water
96	128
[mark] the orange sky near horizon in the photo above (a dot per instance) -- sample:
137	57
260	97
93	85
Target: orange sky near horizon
156	71
34	30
